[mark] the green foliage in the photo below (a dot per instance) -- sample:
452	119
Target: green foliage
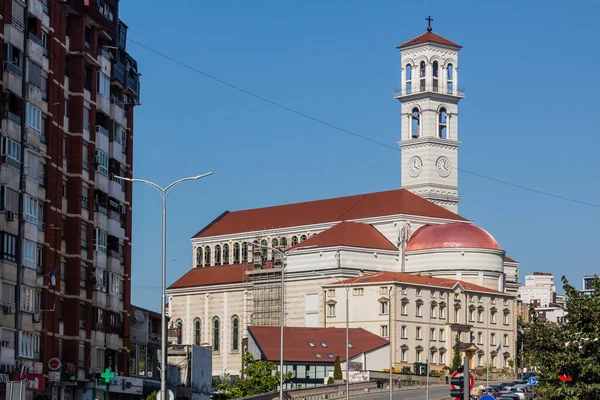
337	369
330	381
571	348
152	396
511	363
259	377
456	358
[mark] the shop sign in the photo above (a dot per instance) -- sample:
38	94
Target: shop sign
33	382
54	376
128	385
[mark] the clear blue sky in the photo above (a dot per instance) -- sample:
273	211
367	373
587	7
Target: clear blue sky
530	116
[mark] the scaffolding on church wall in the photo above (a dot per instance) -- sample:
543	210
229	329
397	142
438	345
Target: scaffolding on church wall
264	273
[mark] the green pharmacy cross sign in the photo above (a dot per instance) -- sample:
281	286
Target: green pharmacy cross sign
107	375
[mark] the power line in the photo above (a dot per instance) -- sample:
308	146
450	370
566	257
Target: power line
338	128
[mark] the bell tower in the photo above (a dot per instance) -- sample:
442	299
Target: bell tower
429	97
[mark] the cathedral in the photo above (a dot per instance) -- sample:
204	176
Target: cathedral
410	268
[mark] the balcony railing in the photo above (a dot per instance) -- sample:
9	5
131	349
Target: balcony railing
35	39
407	91
12	67
102	130
115	216
12	117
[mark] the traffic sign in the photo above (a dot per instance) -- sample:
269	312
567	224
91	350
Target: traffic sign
533	381
486	397
170	395
54	364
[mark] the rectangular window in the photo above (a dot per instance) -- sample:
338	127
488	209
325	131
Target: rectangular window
31	209
29	345
103	84
116	285
492	339
84	235
86	119
384	308
11	152
9	247
383	290
505	343
442	336
34	118
358	292
85	156
32	165
384	331
101	160
118	133
432	333
34	75
331	310
331	293
403	332
29	254
99	240
10	199
418	334
41	216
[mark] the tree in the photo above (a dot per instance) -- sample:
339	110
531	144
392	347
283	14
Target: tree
330	381
570	348
152	396
456	358
259	377
337	369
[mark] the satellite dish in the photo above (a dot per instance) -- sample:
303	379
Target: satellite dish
139	316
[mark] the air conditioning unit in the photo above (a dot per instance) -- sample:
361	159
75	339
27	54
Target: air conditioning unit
10	216
37	317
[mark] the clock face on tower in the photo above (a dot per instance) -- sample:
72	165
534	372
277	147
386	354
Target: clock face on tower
415	165
443	166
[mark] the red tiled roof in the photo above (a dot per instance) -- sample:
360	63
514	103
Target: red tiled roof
212	276
510	260
429	37
456	235
351	234
415	280
296	346
391	202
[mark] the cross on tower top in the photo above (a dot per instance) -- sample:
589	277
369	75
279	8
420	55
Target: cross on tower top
429	19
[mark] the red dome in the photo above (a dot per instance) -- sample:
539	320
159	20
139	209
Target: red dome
451	236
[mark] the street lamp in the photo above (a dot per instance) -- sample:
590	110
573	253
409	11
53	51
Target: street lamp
283	255
164	193
347	287
428	349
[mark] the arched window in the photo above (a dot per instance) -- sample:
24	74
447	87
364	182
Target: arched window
225	254
179	327
303	238
422	76
275	243
415	120
218	255
443	124
265	249
294	240
236	253
244	252
450	78
235	333
216	338
436	68
197	331
207	256
198	257
408	79
283	241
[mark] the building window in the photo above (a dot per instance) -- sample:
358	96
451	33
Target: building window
85	157
415	123
294	240
442	337
331	293
408	78
218	255
384	307
100	240
358	291
244	252
433	310
331	309
432	334
34	118
419	309
384	331
31	209
383	290
472	315
235	334
492	339
236	253
197	331
479	338
29	254
103	84
11	151
101	159
443	126
450	78
207	256
505	343
404	355
198	257
418	333
225	254
419	355
456	314
84	235
480	315
403	332
493	316
29	345
9	247
216	338
404	308
506	317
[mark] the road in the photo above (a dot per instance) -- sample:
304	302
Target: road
435	393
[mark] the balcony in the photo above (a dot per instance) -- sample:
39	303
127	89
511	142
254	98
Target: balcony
115	190
40	10
103	104
35	51
101	138
11	124
101	181
417	89
133	83
12	78
118	73
36	96
116	110
115	226
115	262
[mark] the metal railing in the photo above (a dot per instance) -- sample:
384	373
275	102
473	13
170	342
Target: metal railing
12	67
428	88
102	130
115	216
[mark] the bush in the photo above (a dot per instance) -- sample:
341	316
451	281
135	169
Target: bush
337	369
330	380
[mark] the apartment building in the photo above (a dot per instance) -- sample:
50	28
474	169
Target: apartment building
69	89
145	349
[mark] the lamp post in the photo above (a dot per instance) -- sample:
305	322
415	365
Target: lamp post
164	193
428	350
283	255
391	384
347	287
